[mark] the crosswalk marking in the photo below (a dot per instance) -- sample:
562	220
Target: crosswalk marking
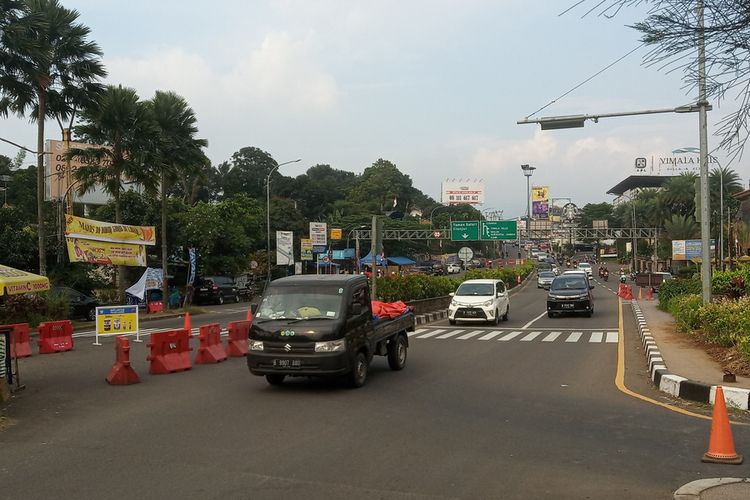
596	337
450	334
431	334
574	337
470	334
551	337
612	337
511	335
417	332
531	336
491	335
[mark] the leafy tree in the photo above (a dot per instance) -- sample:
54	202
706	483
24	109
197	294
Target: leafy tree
317	190
596	211
679	194
176	154
250	167
378	187
124	129
45	58
19	246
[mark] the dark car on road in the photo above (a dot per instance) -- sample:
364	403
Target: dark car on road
570	293
81	305
215	290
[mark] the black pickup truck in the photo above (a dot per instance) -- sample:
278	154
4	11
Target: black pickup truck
322	325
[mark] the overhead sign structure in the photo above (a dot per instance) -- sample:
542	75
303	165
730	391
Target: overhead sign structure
467	230
462	192
117	320
318	233
494	230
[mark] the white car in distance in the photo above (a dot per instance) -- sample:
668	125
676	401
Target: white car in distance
585	266
454	268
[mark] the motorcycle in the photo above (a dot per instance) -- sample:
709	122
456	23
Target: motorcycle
623	278
605	275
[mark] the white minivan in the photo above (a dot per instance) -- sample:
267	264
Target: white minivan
481	300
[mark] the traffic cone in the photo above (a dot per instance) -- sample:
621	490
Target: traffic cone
721	445
249	315
187	325
640	293
650	294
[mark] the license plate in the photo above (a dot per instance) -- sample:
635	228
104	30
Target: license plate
287	363
567	306
470	312
203	289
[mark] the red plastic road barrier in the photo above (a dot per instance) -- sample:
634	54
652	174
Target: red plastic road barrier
170	351
20	343
55	336
210	350
155	307
650	293
239	331
122	373
628	292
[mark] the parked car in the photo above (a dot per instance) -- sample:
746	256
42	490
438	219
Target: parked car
570	293
216	290
544	279
483	300
454	268
81	305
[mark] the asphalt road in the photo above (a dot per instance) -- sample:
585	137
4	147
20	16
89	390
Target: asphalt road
474	415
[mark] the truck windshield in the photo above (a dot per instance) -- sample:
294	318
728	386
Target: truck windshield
473	289
288	303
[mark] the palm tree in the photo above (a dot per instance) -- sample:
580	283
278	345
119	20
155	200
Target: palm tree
681	227
679	194
123	131
177	154
42	51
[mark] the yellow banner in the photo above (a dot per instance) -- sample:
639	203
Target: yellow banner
15	281
78	227
104	252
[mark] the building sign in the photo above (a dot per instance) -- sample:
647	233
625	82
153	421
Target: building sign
540	202
462	192
336	234
682	160
318	232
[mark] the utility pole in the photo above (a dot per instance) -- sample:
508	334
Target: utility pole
703	133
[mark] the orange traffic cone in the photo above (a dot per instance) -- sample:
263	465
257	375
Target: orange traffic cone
640	293
187	325
249	315
721	445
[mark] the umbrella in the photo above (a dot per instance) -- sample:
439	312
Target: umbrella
744	258
15	281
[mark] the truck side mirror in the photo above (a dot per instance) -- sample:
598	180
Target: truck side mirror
356	309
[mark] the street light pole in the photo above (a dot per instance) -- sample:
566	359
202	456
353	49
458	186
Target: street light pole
527	171
703	133
268	217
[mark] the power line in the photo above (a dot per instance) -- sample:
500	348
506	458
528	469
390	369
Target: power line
585	81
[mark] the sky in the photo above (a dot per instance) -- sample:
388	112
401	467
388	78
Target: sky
434	86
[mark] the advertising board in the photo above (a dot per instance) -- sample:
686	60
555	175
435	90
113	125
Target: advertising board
116	320
540	202
318	233
462	192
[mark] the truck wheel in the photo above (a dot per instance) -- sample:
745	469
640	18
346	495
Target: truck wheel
275	378
358	376
397	353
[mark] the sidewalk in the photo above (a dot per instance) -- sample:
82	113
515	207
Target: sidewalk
679	367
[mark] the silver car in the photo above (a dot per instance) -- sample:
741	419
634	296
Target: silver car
544	279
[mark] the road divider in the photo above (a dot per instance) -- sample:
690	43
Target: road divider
122	373
170	351
55	336
210	349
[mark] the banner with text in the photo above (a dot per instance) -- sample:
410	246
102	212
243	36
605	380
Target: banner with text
106	253
318	233
78	227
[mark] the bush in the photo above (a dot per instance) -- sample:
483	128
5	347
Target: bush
33	308
727	322
414	287
677	288
686	310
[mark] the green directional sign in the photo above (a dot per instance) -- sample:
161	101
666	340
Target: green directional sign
466	230
499	230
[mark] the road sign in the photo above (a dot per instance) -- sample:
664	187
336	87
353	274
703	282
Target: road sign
467	230
465	254
499	230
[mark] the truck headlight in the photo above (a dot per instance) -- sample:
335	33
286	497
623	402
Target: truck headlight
256	345
331	346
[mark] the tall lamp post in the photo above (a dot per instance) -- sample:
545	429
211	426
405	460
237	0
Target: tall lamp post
527	171
268	216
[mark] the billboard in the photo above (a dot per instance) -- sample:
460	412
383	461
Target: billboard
318	232
557	209
78	227
689	249
54	166
306	249
106	253
540	202
284	249
462	192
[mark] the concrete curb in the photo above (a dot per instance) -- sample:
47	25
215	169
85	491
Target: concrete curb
423	319
676	385
694	489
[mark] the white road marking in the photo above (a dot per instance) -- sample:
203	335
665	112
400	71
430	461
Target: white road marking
450	334
470	334
574	337
551	337
612	337
510	336
491	335
416	332
531	336
596	337
524	327
431	334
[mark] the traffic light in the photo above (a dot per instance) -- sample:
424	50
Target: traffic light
697	199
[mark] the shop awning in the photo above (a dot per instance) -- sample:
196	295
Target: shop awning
401	261
15	281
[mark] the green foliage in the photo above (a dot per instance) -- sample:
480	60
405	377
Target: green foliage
33	308
19	240
509	275
686	310
732	283
414	287
726	322
675	288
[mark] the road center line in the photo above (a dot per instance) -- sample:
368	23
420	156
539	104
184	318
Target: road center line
524	327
